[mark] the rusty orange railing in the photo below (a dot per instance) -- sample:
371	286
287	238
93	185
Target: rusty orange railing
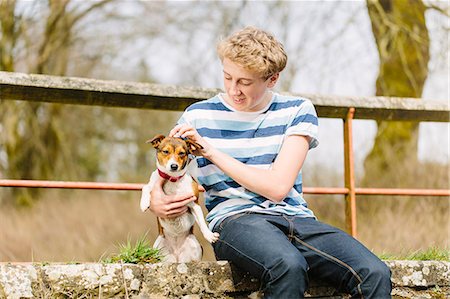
26	87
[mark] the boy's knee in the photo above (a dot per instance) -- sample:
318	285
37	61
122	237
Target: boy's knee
378	281
289	267
380	272
295	266
288	275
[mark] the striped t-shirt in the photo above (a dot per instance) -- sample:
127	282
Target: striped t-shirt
254	138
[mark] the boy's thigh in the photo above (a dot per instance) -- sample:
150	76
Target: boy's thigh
331	251
255	243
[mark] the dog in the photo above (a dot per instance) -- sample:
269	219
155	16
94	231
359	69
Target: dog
176	239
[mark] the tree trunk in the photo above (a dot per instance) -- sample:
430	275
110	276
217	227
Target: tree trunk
403	43
8	35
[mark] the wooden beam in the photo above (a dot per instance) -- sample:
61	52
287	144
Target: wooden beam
84	91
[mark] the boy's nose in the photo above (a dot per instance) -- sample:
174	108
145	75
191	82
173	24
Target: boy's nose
234	90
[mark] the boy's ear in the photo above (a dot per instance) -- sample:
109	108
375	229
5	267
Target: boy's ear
193	146
156	141
273	80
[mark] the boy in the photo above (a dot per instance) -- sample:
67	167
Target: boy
254	145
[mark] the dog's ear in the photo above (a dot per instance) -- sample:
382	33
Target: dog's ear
156	141
193	146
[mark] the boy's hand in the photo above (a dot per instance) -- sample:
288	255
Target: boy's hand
188	131
168	206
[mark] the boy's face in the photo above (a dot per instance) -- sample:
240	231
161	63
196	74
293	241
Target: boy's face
245	90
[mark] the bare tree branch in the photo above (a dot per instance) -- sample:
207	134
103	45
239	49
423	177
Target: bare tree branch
88	10
444	11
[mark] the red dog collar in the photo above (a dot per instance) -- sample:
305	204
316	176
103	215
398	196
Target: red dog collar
168	177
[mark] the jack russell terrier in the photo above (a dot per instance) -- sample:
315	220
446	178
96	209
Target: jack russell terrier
176	239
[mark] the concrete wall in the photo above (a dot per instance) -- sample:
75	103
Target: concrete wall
411	279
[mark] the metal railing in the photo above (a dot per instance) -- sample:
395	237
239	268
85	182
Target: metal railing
81	91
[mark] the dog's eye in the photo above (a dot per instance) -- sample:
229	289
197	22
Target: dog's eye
181	154
165	152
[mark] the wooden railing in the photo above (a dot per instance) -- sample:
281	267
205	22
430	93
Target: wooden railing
81	91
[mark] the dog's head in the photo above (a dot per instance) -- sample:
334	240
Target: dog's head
173	152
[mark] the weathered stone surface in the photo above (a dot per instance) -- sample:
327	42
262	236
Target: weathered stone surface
107	280
16	281
178	280
420	273
411	279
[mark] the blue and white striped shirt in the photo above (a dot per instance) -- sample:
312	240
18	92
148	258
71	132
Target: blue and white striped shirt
254	138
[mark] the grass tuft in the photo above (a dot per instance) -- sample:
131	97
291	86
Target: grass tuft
430	254
139	253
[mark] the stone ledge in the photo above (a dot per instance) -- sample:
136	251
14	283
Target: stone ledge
411	279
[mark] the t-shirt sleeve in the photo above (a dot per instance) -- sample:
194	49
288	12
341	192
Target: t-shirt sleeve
305	122
185	118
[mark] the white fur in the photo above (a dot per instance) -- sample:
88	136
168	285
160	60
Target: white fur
178	244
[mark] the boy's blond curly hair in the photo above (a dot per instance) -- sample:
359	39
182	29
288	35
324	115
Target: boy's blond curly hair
255	50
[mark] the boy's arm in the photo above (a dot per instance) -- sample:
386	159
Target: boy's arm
274	183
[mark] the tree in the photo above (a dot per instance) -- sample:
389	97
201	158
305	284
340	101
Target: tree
401	36
36	140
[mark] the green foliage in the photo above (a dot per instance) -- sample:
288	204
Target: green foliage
430	254
139	253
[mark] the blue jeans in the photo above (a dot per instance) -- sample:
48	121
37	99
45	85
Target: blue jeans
285	251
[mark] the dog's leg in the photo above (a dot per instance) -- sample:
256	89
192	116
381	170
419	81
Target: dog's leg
199	218
190	250
159	242
164	247
145	196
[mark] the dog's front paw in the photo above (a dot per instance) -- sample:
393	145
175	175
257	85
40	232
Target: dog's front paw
145	202
211	237
145	197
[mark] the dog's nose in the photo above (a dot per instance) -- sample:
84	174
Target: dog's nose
173	167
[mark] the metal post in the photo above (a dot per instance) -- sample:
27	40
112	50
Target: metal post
350	197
